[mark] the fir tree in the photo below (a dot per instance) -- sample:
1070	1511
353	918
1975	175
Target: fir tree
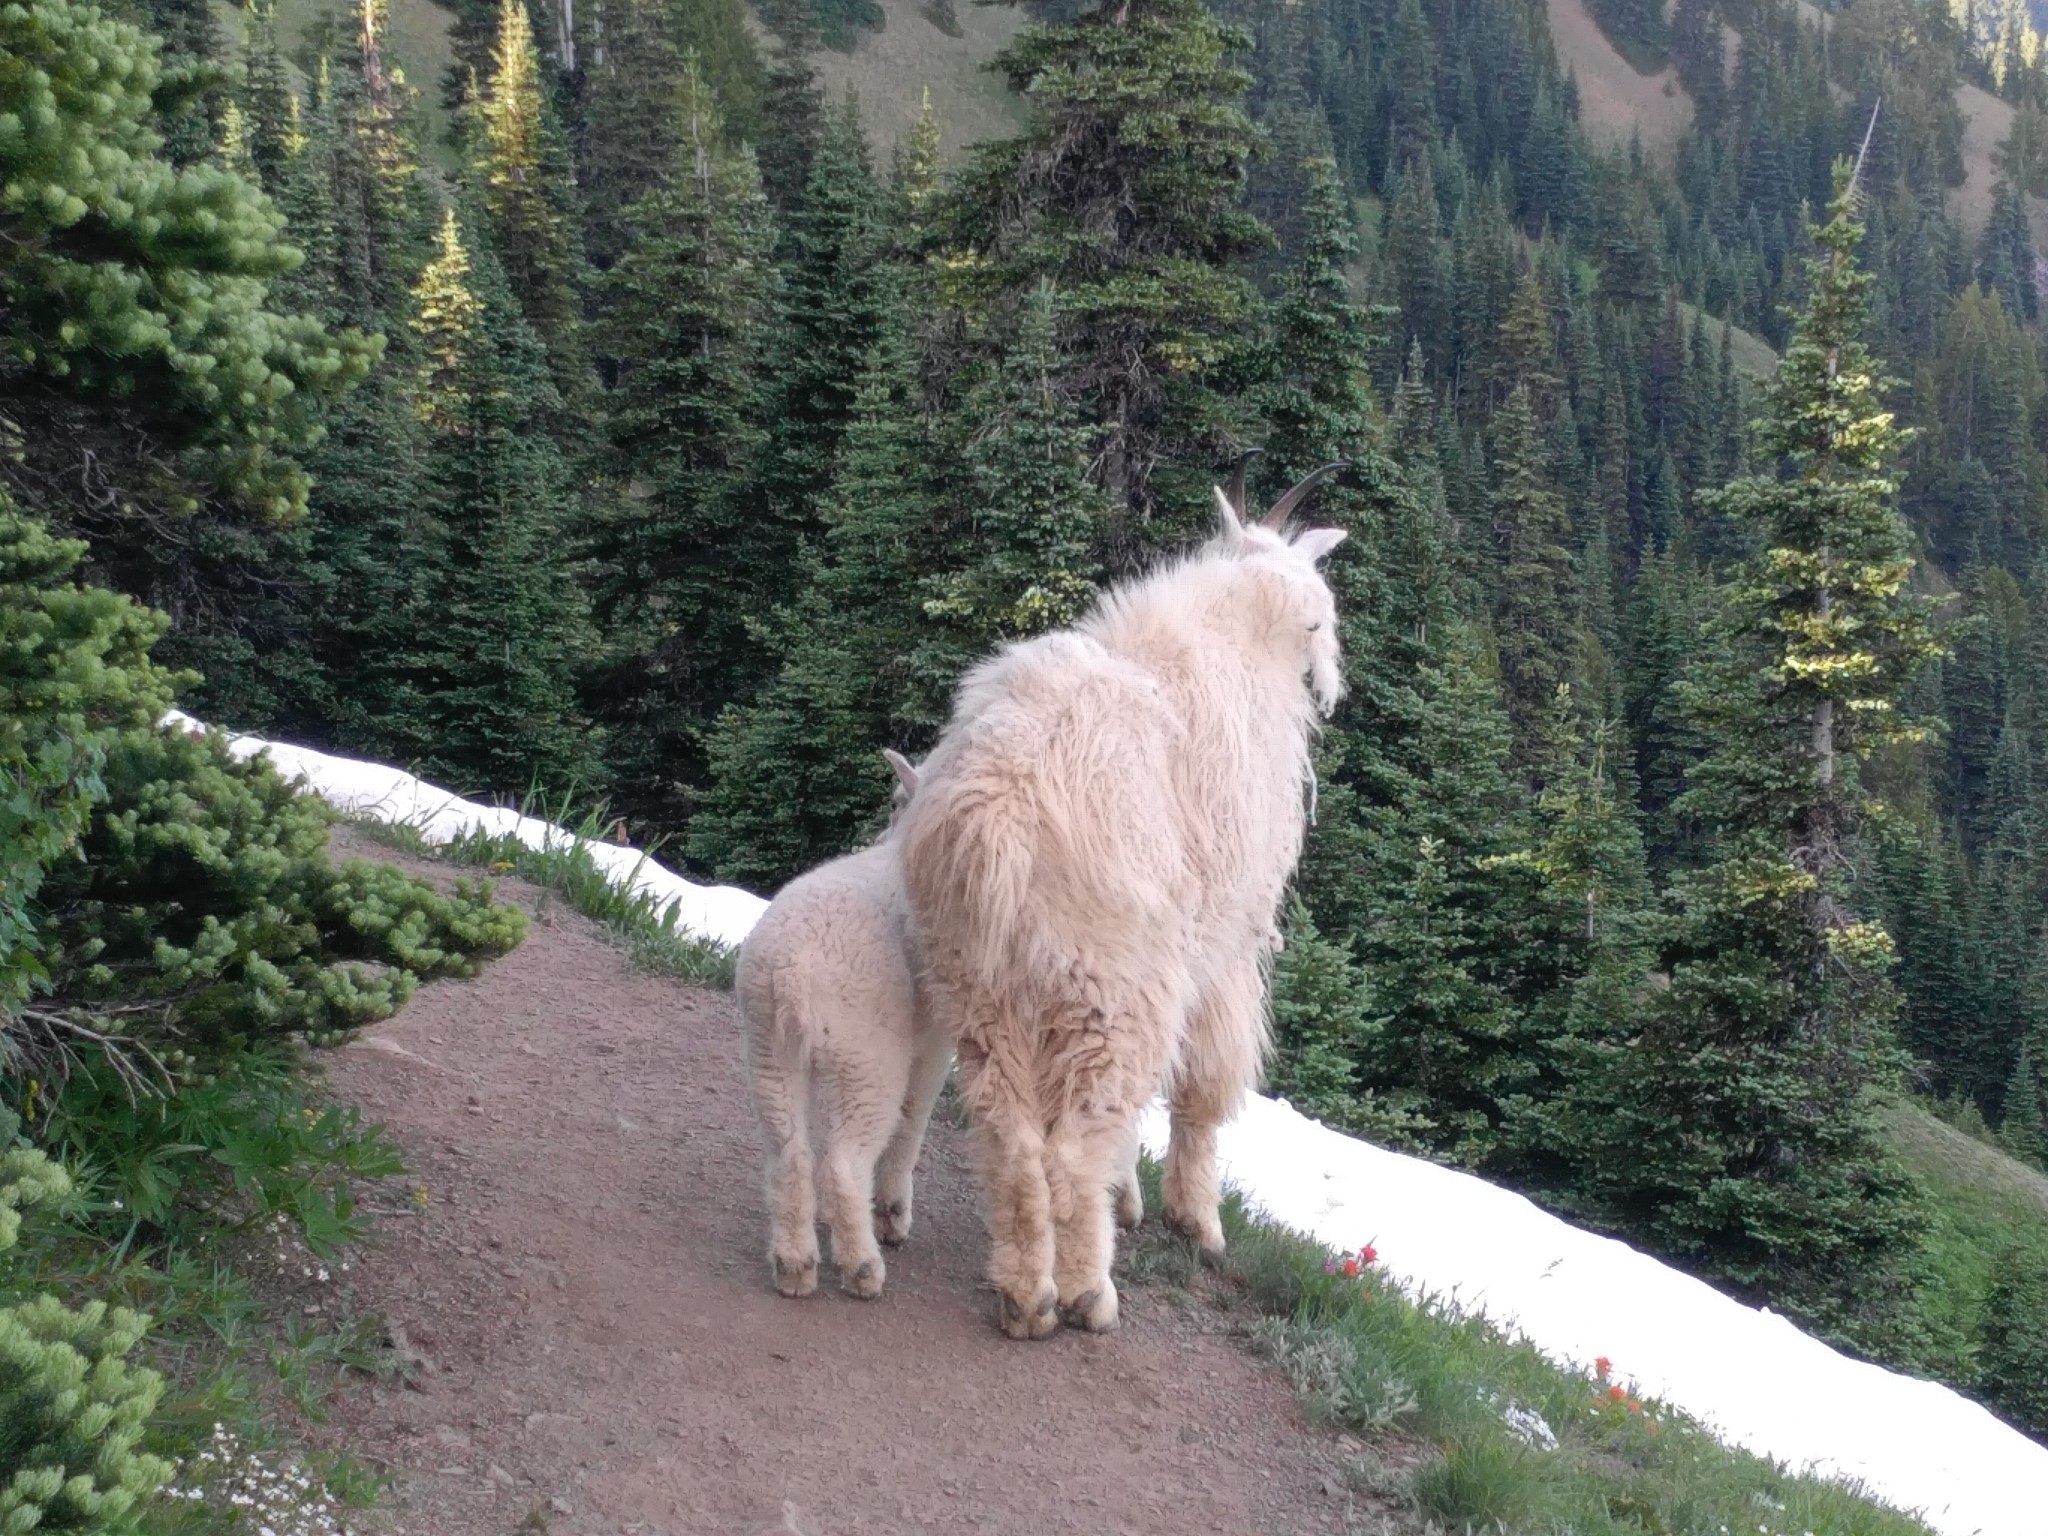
495	668
830	316
530	194
680	317
1024	521
146	364
1123	191
1740	1137
797	775
1534	616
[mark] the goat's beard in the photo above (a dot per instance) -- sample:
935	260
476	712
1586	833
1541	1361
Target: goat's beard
1327	679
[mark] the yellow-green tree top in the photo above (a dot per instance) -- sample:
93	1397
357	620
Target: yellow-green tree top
449	313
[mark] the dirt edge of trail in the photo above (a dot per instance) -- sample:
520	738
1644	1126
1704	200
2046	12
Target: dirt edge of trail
583	1298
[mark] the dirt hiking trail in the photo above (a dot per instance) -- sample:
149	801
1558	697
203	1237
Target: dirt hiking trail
598	1347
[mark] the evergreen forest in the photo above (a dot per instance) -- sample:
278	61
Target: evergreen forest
614	415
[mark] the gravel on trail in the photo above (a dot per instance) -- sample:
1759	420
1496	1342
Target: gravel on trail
595	1346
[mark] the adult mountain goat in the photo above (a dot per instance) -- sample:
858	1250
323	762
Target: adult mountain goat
1095	858
827	989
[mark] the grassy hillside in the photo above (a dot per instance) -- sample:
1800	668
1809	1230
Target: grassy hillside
889	71
1983	1204
1616	100
418	45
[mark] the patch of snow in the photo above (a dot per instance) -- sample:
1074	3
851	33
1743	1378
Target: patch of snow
723	913
1747	1374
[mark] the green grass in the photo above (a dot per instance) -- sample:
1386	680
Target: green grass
1436	1398
1982	1203
242	1361
638	924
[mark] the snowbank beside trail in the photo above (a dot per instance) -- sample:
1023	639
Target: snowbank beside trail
724	913
1748	1375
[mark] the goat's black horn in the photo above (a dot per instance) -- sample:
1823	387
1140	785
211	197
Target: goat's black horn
1299	493
1236	491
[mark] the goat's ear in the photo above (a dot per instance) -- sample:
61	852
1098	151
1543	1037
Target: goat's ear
1233	527
905	774
1318	542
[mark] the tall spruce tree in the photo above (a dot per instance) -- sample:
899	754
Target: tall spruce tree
529	188
830	314
1022	520
495	669
1123	191
680	318
797	775
1535	611
1736	1131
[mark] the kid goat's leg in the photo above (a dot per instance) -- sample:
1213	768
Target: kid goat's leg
932	1056
781	1099
866	1103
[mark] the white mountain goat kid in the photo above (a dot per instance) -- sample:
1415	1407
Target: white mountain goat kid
1095	858
827	989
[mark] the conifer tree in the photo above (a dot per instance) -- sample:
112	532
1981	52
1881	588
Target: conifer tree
1123	192
681	318
1411	84
495	668
792	108
529	190
1740	1137
830	317
1024	520
1534	618
146	364
796	772
268	101
629	120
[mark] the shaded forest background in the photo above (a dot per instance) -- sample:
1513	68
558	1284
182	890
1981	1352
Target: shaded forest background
655	434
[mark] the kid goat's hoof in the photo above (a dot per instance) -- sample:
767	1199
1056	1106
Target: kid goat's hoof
1039	1323
1095	1311
796	1277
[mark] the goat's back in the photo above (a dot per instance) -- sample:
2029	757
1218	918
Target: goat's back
1039	844
833	957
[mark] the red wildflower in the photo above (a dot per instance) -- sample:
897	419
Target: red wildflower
1617	1392
1369	1254
1602	1366
1351	1269
1634	1406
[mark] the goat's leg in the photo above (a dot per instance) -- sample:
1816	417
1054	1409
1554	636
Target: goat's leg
931	1056
866	1102
1128	1190
781	1099
1225	1040
1085	1155
1011	1149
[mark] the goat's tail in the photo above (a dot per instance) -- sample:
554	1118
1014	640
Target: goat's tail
973	853
779	1064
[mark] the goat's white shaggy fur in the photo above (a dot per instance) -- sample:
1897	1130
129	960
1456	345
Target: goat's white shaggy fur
827	991
1095	859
